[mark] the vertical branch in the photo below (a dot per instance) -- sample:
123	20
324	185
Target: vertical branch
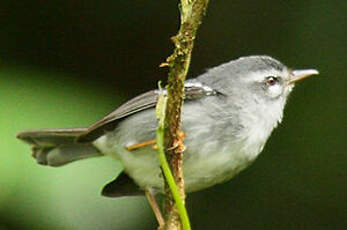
192	12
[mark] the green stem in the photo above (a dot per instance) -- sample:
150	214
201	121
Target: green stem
182	212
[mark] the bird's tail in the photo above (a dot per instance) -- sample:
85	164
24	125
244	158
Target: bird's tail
56	147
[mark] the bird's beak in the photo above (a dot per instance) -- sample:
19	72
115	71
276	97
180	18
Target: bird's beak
298	75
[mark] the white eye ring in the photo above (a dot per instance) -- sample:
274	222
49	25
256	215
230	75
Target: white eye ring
271	80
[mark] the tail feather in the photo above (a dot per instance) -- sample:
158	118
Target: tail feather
56	147
50	137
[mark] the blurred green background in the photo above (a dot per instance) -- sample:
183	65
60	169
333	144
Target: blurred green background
68	63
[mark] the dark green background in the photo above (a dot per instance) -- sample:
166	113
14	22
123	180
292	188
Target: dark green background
68	63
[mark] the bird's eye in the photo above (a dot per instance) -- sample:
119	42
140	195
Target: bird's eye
271	80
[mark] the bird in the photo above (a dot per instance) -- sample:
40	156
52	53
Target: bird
229	112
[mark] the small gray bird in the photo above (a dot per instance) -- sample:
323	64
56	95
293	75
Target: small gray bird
228	114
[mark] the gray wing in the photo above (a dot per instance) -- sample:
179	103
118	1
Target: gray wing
193	90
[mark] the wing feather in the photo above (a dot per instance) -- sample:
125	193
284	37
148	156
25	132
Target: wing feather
193	90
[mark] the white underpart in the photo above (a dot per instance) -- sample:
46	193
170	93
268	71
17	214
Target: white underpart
142	165
260	127
207	160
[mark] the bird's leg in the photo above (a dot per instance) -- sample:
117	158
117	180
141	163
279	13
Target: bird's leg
149	192
152	201
140	145
151	142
